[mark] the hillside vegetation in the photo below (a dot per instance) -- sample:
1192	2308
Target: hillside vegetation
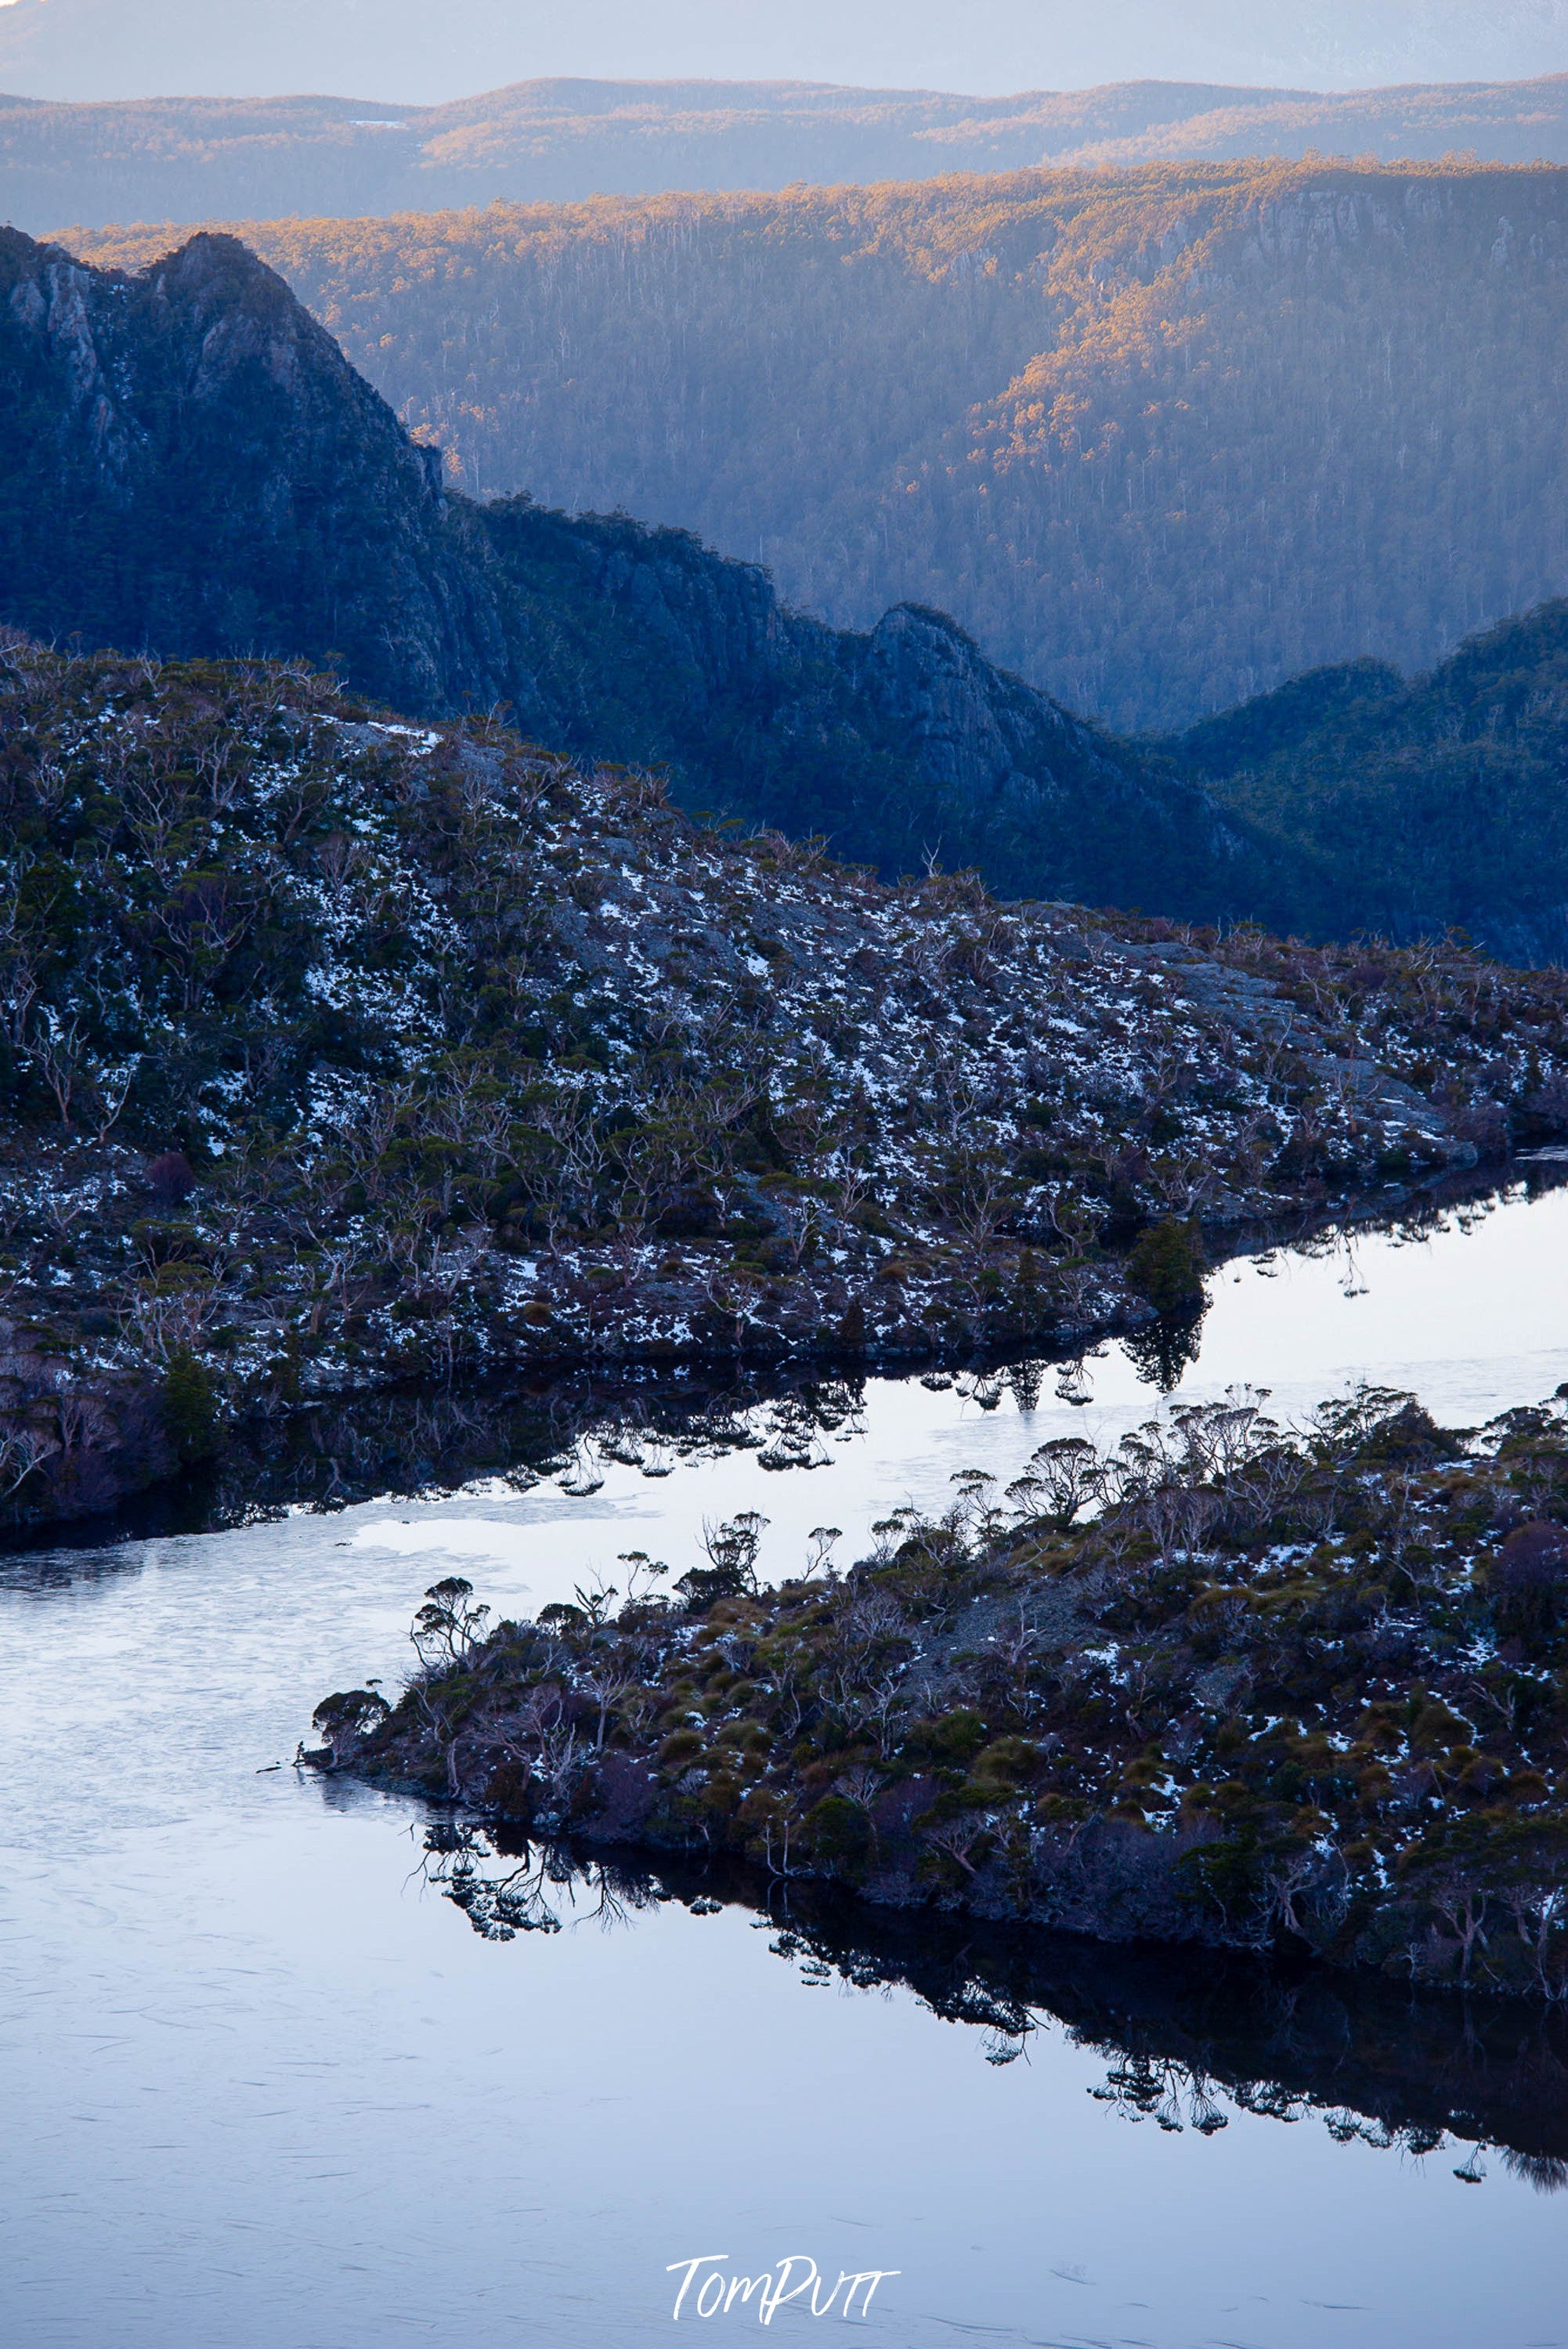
190	160
336	1052
1159	439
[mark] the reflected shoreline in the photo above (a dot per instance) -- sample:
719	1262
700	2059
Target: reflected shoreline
1184	2032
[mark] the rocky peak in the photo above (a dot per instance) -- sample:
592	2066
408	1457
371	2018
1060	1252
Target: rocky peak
194	468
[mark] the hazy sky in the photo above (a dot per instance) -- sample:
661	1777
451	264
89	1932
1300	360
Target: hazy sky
428	51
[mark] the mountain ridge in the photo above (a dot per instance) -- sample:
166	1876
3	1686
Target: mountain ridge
1436	800
105	48
195	468
185	161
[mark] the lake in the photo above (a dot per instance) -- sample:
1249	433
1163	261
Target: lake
267	2089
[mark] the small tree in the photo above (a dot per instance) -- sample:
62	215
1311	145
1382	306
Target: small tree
347	1718
1528	1584
731	1571
607	1688
1062	1478
823	1540
1165	1265
447	1629
190	1406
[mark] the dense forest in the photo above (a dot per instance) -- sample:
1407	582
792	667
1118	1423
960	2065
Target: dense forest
1161	439
195	158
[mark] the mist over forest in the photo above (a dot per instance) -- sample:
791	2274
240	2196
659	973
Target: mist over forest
190	159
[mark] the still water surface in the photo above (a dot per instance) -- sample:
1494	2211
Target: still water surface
264	2087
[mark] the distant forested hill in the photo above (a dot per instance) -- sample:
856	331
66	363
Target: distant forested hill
408	50
184	159
1162	439
1433	801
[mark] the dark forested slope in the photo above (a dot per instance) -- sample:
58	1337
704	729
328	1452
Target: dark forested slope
1162	439
191	466
199	159
1437	801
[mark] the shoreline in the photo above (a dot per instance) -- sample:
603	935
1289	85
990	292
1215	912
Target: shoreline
145	1495
1301	1684
449	1060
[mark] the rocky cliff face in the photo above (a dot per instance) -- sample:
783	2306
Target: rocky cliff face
194	469
192	466
1015	769
900	744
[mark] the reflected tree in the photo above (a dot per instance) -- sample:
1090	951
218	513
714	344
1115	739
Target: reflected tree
1190	2041
1164	1352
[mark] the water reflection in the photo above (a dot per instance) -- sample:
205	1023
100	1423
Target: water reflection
534	1492
262	2088
1185	2034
